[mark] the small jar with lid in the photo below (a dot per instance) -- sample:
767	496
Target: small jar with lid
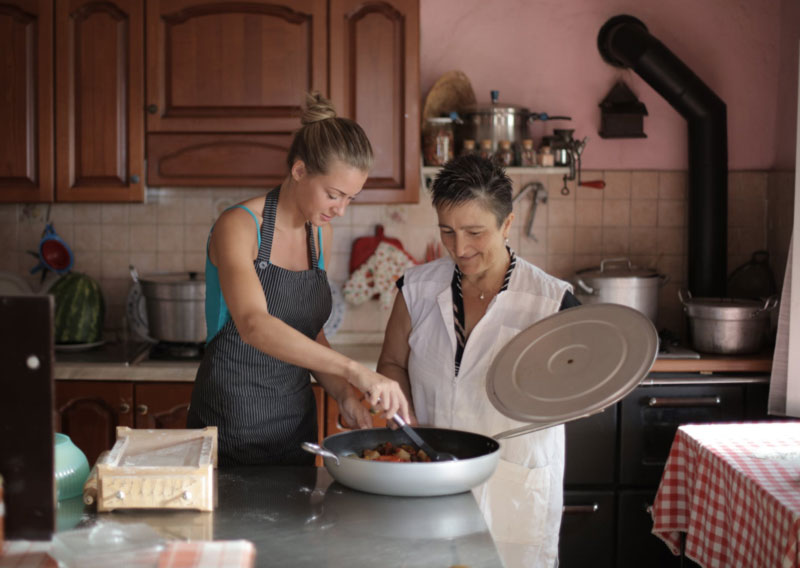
546	157
486	149
527	158
437	141
468	147
504	155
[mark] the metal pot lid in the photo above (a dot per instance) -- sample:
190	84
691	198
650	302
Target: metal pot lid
496	108
572	364
617	268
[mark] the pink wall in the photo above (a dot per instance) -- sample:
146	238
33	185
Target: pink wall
543	54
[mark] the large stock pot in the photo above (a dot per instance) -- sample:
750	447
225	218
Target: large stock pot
566	366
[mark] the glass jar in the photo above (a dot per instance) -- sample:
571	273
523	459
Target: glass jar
468	147
545	157
437	141
504	155
486	149
527	157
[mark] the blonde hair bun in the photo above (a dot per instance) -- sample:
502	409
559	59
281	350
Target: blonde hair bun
317	108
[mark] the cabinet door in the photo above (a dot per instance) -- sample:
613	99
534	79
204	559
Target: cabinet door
374	62
587	530
26	112
591	444
99	100
162	405
225	87
90	411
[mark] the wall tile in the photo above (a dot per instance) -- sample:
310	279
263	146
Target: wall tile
590	261
643	240
616	240
672	213
672	185
644	212
195	238
561	265
143	238
8	213
560	213
143	214
529	247
616	212
169	261
747	212
747	185
560	240
588	240
87	213
115	213
369	215
87	237
145	262
588	213
644	185
115	265
554	183
170	238
170	209
114	238
89	262
199	209
194	262
670	240
62	213
618	185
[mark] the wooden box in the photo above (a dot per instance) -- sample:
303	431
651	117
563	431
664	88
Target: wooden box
158	469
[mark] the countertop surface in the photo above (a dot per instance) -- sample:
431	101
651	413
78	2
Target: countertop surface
107	364
297	516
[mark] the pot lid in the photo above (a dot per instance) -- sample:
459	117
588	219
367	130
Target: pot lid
496	108
572	364
617	268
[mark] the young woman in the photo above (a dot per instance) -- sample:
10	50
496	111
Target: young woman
267	298
453	315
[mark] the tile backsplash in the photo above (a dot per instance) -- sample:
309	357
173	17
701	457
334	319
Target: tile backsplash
640	214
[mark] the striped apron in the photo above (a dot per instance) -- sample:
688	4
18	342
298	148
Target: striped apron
264	407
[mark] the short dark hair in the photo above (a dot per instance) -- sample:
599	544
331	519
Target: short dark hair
471	177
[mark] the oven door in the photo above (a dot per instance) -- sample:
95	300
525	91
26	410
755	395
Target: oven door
651	415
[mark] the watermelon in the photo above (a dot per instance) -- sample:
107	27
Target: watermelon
80	309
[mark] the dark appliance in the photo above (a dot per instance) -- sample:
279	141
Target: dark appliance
624	41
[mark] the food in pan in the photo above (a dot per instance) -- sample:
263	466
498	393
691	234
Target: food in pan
391	453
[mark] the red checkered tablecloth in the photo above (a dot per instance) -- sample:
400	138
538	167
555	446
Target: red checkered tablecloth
734	490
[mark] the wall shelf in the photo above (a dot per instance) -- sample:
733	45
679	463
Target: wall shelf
430	171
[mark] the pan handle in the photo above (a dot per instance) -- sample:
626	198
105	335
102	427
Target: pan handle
320	451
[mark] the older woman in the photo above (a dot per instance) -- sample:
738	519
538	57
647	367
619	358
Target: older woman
450	320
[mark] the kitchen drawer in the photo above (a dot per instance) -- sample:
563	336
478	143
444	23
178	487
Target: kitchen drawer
591	449
587	530
651	416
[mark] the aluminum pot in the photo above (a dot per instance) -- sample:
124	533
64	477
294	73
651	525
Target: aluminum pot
175	305
617	281
727	326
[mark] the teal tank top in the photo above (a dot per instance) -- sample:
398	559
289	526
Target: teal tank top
217	314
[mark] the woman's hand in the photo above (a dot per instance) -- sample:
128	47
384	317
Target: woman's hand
380	389
353	412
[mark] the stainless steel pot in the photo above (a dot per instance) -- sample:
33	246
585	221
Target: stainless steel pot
175	305
498	121
477	459
617	281
727	326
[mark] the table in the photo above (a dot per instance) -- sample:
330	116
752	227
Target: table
734	491
300	517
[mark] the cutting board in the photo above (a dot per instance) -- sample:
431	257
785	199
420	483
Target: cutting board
158	469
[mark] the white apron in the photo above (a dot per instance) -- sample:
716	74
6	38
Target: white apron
522	501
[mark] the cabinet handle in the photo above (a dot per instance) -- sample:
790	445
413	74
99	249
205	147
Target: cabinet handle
142	409
134	178
580	509
124	408
152	109
683	402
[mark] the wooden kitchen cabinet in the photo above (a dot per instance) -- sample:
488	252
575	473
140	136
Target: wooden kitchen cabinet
90	411
74	73
226	81
374	62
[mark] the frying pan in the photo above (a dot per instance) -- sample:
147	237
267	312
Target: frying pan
569	365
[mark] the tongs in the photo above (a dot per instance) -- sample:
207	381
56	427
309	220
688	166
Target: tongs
422	444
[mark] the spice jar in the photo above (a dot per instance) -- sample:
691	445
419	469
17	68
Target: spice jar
504	155
527	157
486	149
437	141
546	158
468	147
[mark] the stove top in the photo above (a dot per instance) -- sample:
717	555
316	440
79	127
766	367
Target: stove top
669	347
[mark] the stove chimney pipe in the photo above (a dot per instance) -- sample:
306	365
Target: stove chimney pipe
624	41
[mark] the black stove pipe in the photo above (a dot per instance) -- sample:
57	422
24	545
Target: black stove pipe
624	41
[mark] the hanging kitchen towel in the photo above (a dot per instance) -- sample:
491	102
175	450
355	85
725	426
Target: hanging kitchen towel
377	276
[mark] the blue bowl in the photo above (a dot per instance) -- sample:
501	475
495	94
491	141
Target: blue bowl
72	468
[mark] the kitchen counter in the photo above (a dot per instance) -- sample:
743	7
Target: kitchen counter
95	365
299	517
